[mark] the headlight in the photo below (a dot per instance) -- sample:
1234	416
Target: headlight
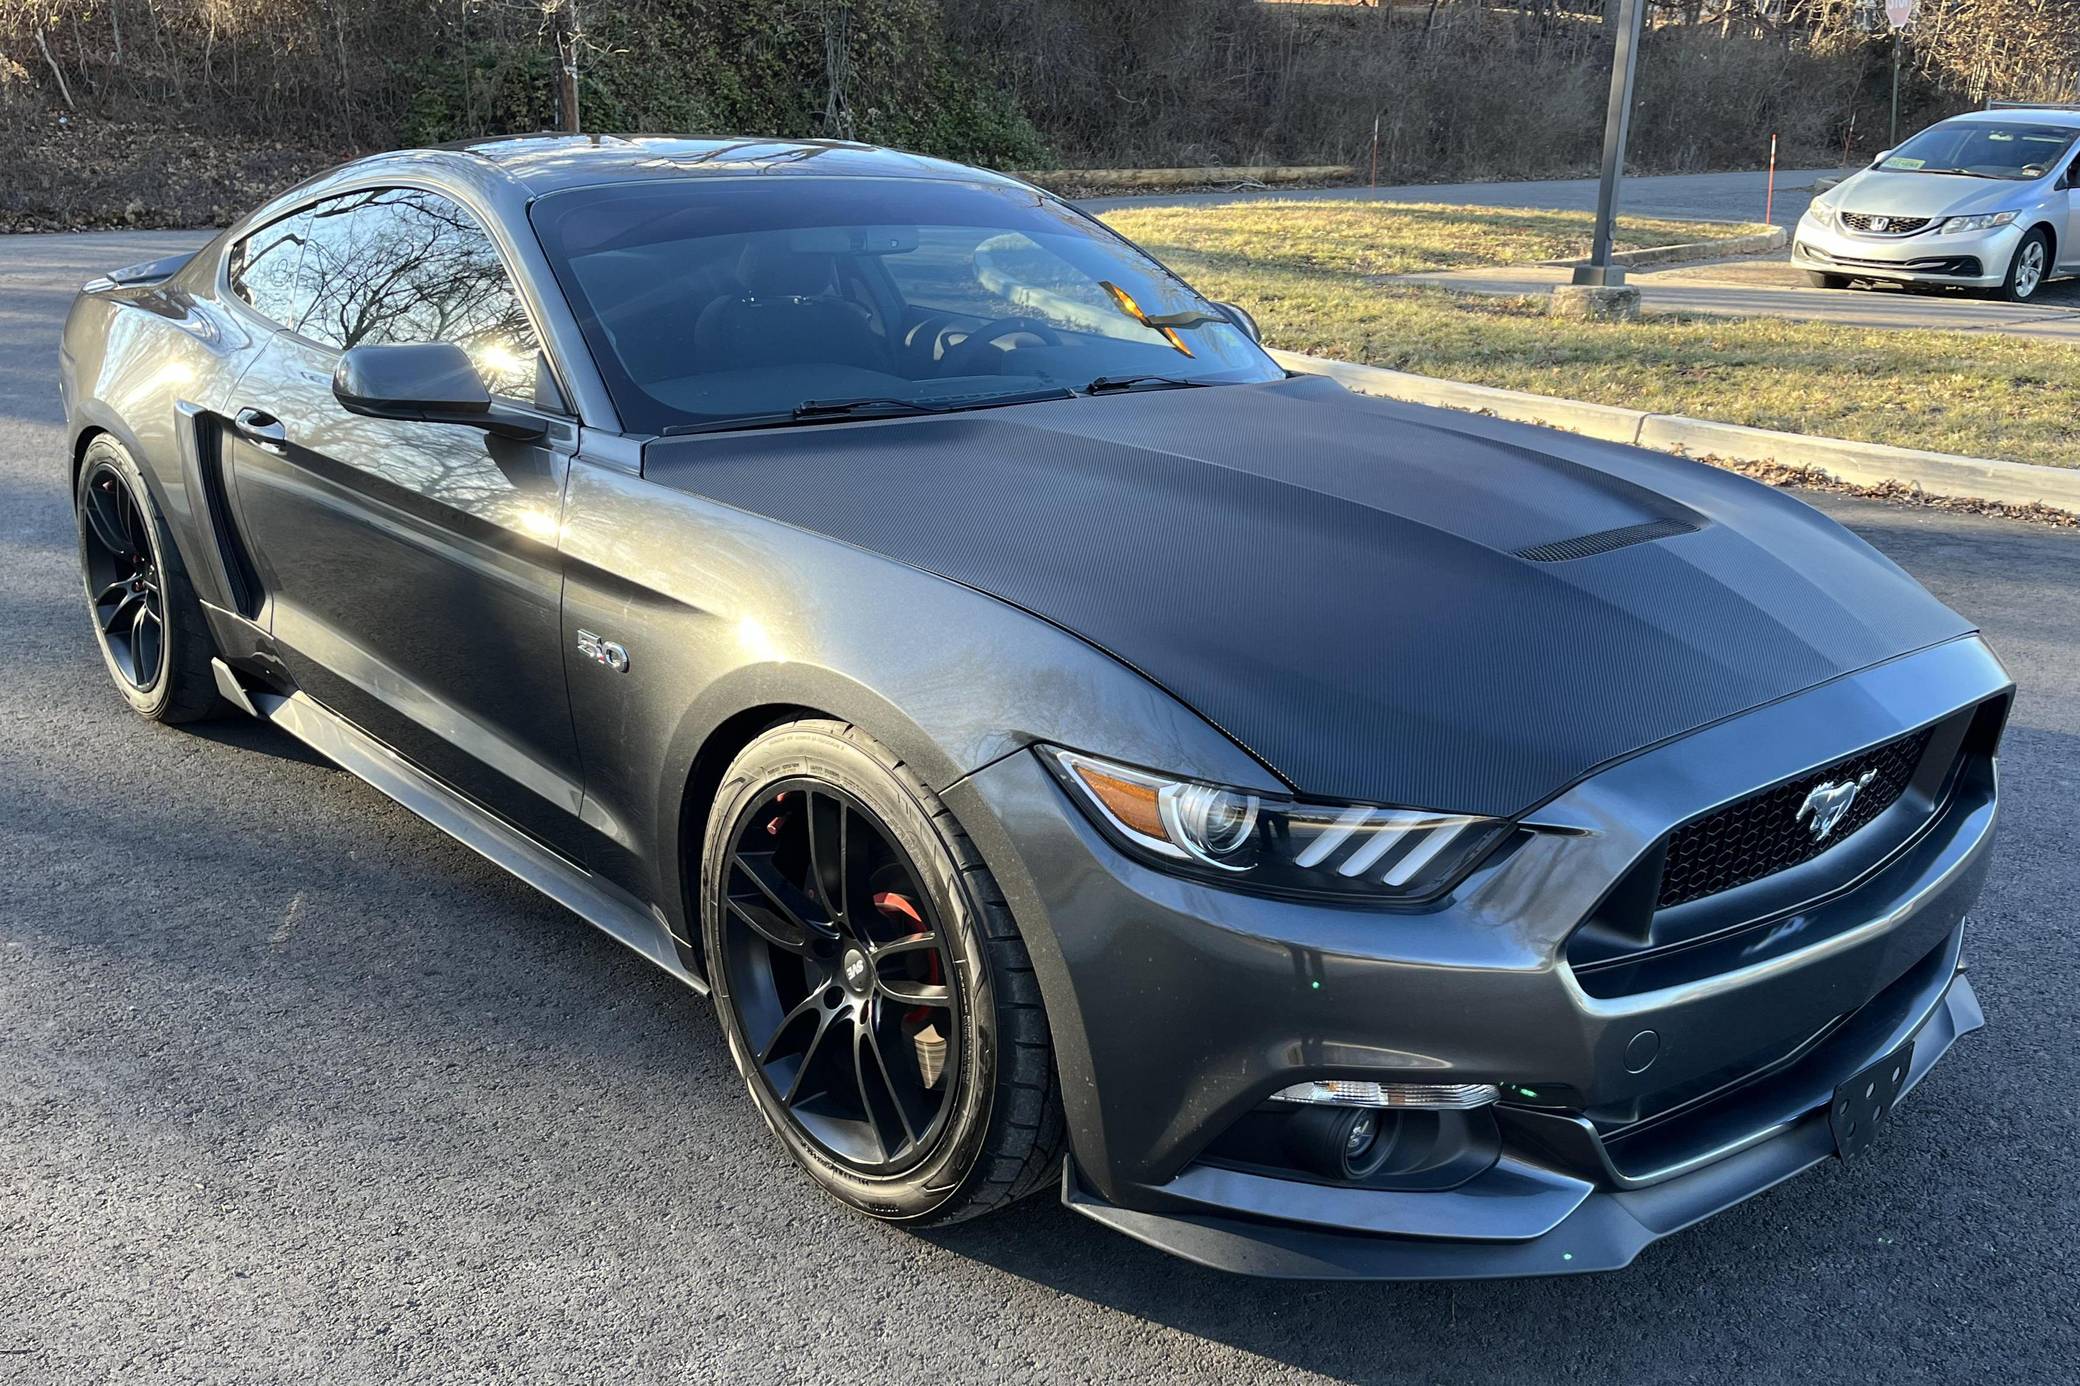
1273	843
1821	213
1979	223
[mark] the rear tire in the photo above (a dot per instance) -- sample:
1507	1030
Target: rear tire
2028	269
1820	279
154	640
798	940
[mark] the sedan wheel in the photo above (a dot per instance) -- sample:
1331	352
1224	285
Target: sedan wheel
876	995
2027	270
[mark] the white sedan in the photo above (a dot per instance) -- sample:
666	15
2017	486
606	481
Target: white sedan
1984	201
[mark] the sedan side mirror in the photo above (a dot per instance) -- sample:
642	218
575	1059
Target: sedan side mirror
423	382
1242	319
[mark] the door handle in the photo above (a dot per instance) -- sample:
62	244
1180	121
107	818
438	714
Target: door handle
263	430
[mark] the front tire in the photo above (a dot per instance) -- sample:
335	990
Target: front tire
2028	269
875	992
148	621
1820	279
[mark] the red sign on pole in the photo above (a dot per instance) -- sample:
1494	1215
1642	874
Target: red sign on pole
1899	12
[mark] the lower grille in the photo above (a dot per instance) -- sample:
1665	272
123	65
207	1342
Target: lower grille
1772	831
1892	226
1952	266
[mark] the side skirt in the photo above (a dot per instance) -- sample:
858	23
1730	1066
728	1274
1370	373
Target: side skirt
604	906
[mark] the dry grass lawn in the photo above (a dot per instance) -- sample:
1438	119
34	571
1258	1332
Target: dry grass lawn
1312	277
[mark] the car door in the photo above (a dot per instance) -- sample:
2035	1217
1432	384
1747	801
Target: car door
410	569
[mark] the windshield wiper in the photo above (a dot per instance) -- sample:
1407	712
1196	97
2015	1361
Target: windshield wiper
1112	384
815	411
1958	173
866	404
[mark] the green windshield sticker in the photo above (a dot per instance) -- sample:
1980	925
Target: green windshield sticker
1906	163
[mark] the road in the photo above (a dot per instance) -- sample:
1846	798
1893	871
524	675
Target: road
1739	196
292	1087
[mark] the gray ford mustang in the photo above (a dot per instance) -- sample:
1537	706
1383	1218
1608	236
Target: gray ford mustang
1319	836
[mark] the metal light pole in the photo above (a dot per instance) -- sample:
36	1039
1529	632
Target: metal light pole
1893	142
1899	13
1617	122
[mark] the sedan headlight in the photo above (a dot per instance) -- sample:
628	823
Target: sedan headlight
1985	222
1822	213
1273	843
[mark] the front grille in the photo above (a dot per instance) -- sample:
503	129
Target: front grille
1894	226
1764	833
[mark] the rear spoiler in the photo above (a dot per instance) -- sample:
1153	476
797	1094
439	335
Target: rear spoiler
144	272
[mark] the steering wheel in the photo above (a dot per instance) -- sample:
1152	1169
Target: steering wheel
962	359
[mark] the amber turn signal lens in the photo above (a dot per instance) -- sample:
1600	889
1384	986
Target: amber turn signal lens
1134	805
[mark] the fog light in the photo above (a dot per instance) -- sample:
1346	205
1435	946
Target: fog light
1338	1092
1348	1144
1364	1130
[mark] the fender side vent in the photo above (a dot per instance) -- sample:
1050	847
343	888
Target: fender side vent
245	591
1604	541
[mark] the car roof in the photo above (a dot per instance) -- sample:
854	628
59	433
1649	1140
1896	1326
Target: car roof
546	162
2034	115
505	173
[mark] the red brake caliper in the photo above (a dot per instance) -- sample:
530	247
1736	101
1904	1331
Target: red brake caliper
931	1045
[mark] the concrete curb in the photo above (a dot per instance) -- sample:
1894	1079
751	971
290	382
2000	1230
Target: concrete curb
1859	464
1127	178
1754	243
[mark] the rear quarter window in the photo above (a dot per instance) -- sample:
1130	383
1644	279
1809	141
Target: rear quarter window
264	268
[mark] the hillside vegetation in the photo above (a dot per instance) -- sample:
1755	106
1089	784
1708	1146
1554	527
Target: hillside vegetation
101	99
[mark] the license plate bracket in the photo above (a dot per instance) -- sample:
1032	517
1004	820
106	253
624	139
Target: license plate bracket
1862	1103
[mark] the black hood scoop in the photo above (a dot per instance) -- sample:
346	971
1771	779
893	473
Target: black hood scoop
1603	541
1383	602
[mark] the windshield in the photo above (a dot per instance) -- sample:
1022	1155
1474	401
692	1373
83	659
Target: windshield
1982	148
713	299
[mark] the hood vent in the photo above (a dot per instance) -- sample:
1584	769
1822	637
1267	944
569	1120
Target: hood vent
1603	541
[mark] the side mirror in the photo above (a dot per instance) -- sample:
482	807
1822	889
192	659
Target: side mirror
422	382
1242	319
1883	155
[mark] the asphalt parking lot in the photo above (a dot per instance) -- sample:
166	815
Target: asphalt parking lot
292	1087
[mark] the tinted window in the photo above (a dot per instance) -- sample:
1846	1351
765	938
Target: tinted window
263	268
711	299
400	266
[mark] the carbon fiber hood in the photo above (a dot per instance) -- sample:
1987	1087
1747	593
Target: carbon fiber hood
1337	583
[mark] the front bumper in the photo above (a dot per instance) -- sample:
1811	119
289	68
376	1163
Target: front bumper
1178	1009
1975	259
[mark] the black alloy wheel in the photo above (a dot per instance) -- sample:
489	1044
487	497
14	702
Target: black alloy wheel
874	988
839	968
122	575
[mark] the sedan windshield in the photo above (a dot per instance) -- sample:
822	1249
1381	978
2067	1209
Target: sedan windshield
797	298
1984	149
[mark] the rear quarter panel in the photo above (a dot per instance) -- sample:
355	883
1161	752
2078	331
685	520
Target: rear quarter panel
148	365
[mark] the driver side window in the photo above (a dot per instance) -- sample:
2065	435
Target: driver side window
399	266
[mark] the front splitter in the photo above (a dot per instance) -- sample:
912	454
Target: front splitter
1605	1232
